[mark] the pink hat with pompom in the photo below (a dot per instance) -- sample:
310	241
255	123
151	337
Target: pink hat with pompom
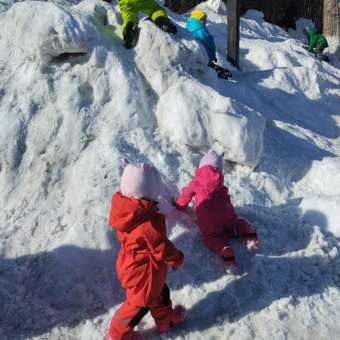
213	159
140	180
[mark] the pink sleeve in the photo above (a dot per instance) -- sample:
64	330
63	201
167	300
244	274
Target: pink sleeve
187	193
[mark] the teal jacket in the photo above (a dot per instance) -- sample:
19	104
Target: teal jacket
315	40
200	32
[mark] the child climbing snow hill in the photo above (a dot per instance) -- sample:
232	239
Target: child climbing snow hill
216	217
145	254
196	24
130	10
316	43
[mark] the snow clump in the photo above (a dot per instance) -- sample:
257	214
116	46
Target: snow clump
41	31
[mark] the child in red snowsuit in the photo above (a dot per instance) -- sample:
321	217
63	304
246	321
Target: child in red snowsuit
215	213
145	254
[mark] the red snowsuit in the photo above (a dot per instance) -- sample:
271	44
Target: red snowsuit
215	213
142	263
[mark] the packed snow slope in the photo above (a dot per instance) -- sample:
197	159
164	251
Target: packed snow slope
74	103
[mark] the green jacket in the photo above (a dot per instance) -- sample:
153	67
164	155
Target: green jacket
315	40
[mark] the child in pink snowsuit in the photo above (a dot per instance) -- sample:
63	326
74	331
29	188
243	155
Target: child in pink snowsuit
215	213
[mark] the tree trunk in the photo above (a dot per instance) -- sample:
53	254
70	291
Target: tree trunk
233	42
331	18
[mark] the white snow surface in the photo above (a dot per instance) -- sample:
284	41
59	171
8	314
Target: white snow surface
74	103
42	30
322	210
320	190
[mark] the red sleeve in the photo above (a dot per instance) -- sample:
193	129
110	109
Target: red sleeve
161	247
187	193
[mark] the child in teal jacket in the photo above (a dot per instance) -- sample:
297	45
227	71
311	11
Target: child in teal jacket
196	24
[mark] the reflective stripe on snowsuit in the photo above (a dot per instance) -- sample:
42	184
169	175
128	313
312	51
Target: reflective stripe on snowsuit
128	315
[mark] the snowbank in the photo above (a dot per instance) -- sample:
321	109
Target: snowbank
323	178
189	112
320	189
42	31
65	125
218	6
163	59
322	211
201	117
167	67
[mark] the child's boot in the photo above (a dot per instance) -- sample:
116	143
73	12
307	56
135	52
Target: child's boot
249	235
220	71
132	335
131	35
229	260
166	25
178	317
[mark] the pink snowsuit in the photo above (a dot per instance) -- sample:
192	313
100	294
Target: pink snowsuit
215	213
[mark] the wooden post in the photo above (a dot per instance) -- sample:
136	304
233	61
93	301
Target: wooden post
234	32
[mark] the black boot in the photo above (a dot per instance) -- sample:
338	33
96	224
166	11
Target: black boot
221	72
131	35
166	25
321	56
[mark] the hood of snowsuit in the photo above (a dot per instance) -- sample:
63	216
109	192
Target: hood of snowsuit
209	178
127	212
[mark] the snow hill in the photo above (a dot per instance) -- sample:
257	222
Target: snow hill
74	103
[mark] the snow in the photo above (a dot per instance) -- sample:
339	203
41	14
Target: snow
41	30
74	103
321	194
315	181
218	6
201	117
322	211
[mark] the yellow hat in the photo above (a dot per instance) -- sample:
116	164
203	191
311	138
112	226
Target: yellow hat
198	14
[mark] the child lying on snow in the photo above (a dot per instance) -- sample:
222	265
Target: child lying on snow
215	213
196	24
145	254
316	43
130	10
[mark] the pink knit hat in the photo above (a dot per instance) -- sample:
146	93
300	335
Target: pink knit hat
140	180
212	158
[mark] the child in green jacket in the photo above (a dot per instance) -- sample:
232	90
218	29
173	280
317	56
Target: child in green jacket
130	10
316	43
